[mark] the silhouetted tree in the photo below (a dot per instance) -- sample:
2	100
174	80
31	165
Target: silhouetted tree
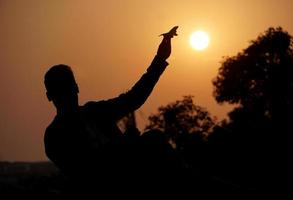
182	116
186	125
259	79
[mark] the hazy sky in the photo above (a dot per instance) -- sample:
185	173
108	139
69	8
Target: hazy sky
109	44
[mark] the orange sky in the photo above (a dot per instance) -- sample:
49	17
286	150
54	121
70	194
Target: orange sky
109	44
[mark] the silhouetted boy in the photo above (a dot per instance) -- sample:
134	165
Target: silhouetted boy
84	141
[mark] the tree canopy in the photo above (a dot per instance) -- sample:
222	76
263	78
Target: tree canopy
259	78
180	118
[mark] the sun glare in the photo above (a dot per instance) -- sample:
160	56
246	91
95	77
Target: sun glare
199	40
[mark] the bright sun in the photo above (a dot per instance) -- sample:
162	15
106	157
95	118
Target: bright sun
199	40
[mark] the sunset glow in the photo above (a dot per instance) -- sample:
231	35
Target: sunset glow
109	46
199	40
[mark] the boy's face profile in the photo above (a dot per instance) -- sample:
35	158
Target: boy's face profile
61	87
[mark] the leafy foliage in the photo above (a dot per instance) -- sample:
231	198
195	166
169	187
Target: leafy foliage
259	76
181	117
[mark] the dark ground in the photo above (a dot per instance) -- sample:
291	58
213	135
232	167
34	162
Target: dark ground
30	179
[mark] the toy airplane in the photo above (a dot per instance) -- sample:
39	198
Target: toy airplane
171	33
